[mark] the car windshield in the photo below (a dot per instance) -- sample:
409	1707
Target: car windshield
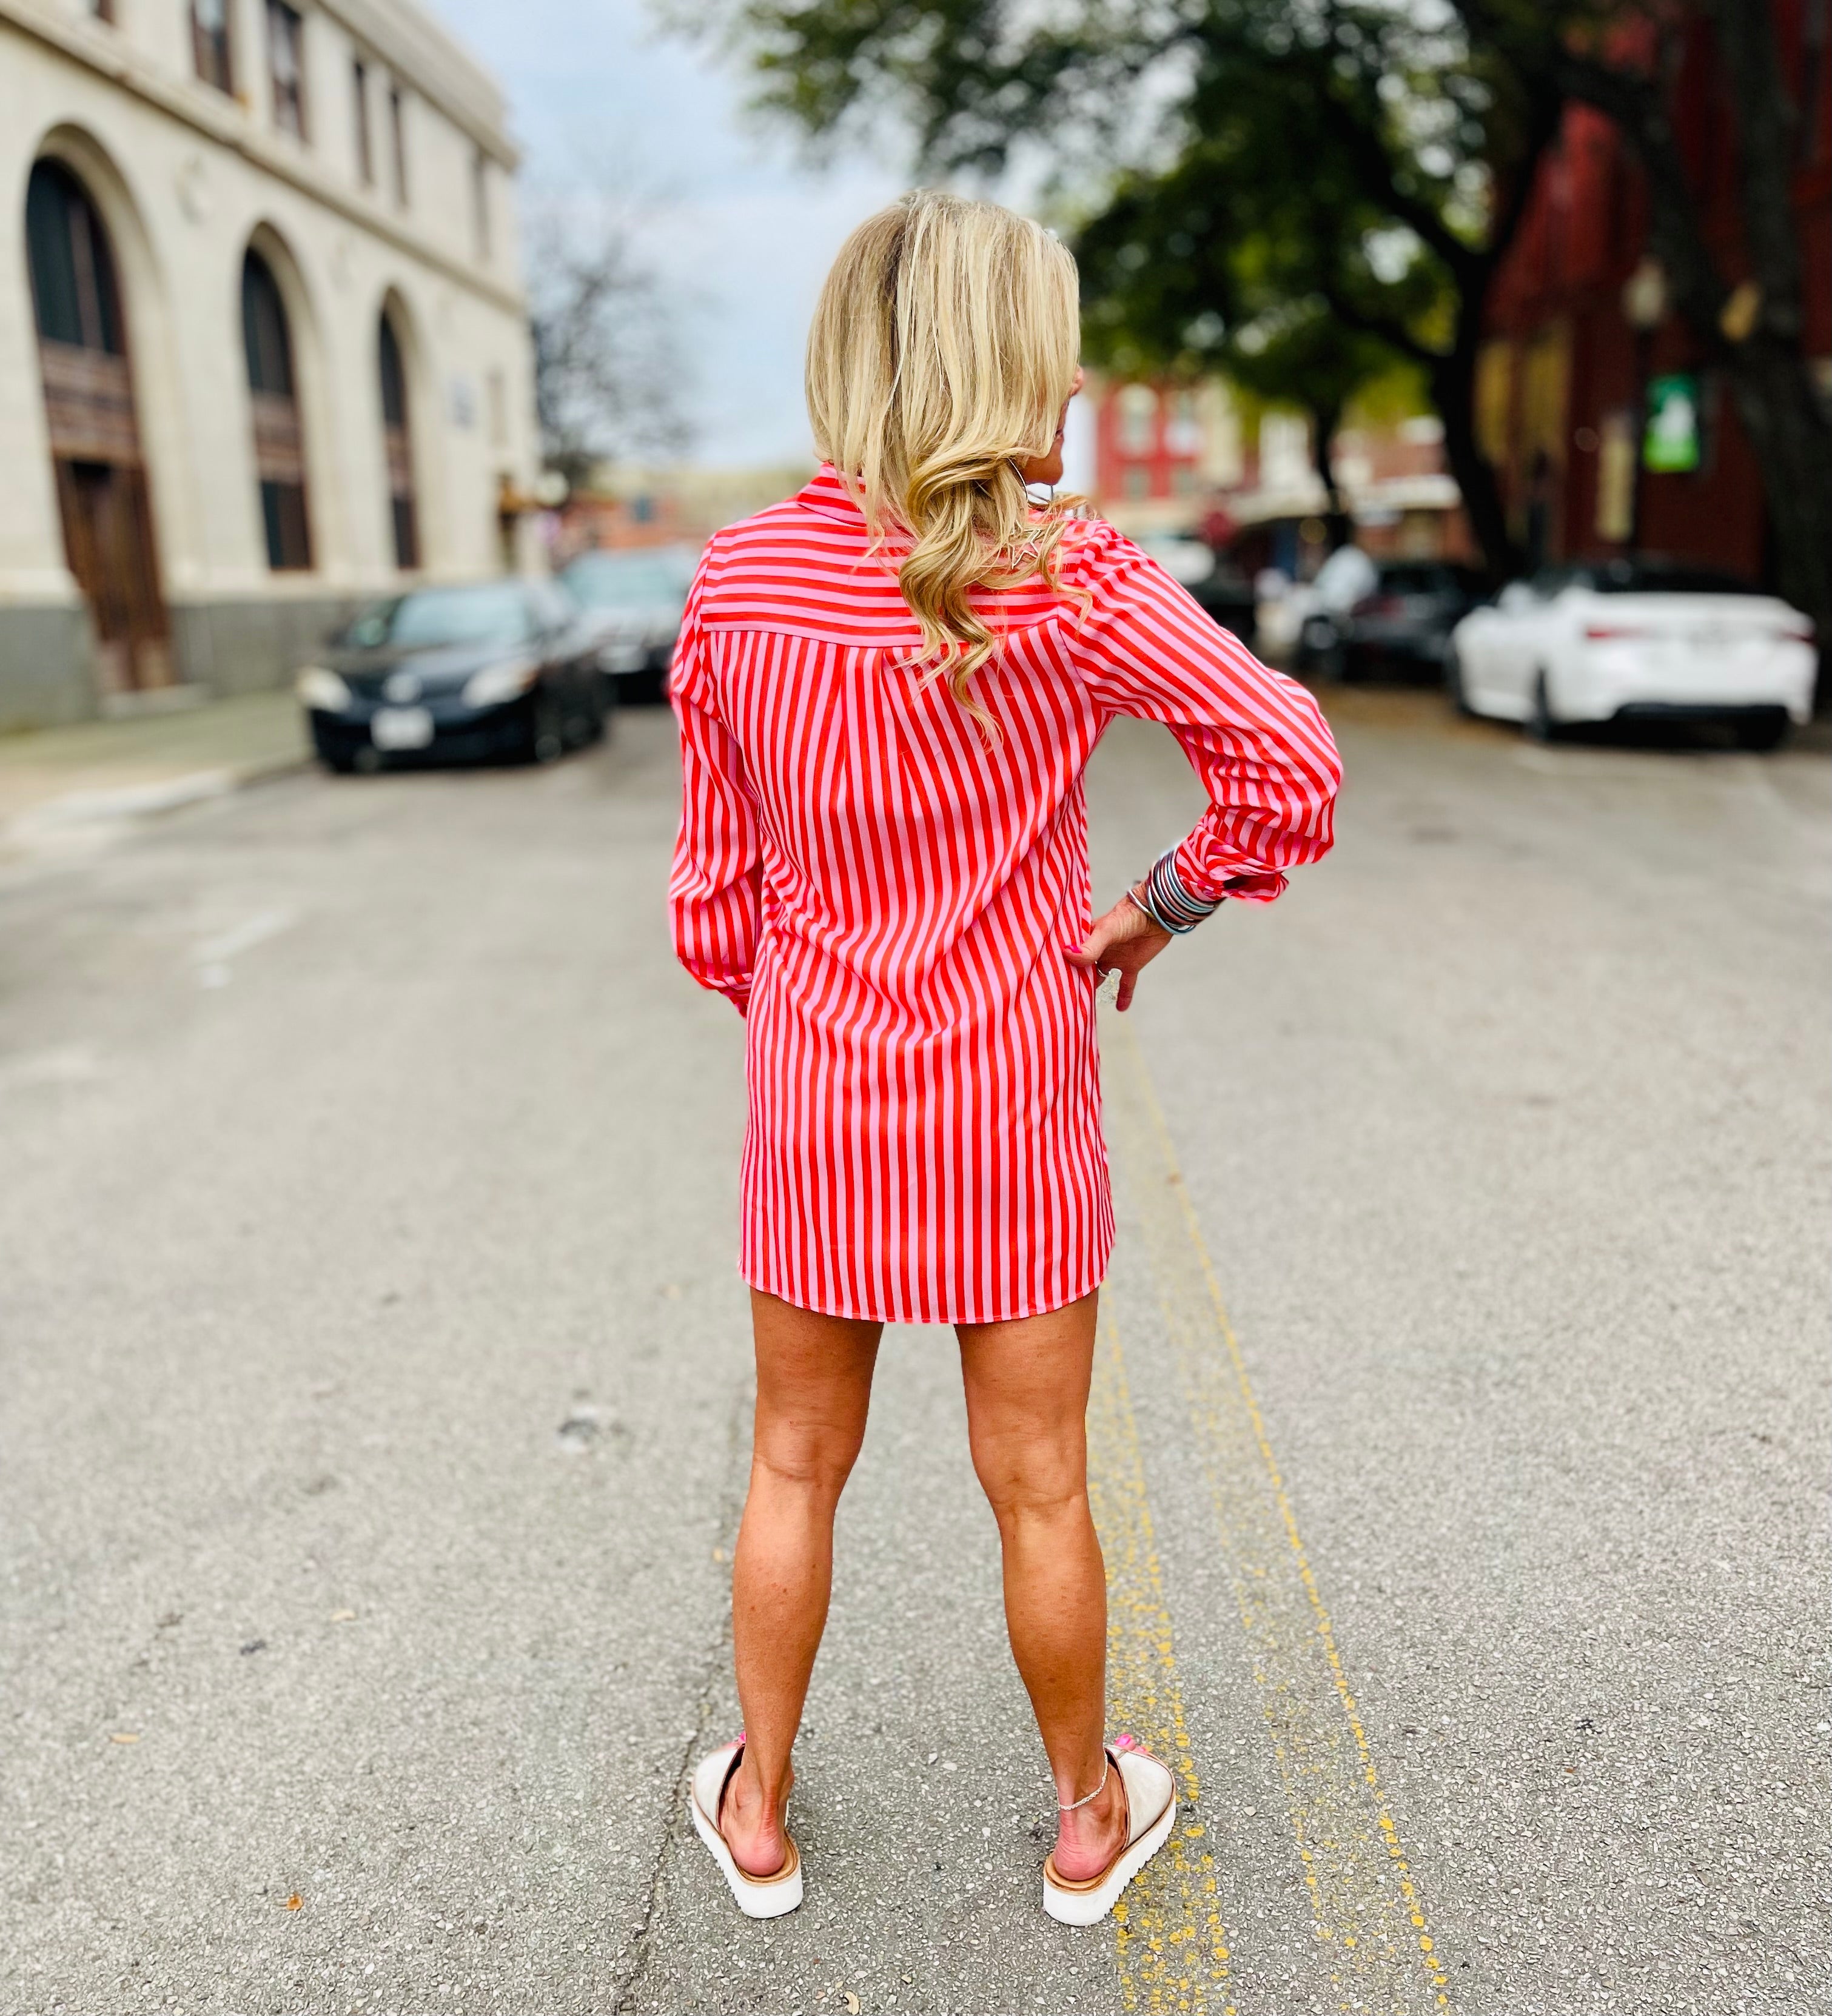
627	581
1652	577
490	612
1417	580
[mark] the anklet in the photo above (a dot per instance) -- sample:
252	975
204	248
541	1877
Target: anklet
1096	1794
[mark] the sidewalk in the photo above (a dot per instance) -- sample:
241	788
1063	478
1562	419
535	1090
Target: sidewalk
56	780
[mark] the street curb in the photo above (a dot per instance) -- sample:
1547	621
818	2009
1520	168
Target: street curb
79	808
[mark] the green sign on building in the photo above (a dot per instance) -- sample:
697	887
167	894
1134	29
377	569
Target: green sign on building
1669	443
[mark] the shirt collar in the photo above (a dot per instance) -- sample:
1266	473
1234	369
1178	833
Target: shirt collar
829	498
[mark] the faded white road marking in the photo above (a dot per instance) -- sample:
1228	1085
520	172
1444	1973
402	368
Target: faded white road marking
214	955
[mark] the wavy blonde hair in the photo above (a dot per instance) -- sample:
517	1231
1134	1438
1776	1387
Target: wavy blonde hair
943	346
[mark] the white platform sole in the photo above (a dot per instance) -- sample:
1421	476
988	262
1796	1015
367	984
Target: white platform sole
1088	1907
770	1899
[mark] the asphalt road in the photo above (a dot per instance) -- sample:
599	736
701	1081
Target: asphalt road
373	1380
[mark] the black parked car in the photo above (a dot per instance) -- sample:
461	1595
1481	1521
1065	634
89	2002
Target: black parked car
483	669
1403	623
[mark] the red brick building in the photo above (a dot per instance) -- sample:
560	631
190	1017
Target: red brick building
1156	444
1162	457
1585	354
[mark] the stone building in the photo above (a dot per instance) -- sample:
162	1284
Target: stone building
263	348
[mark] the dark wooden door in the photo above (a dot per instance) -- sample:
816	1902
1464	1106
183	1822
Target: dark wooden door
95	436
108	535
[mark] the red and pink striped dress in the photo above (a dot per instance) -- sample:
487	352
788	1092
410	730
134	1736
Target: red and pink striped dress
887	897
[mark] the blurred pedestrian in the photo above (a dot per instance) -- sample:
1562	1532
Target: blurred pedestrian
888	688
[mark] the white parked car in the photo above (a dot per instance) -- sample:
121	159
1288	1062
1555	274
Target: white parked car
1611	640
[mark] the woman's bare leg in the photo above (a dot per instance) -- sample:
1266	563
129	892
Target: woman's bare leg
814	1389
1027	1385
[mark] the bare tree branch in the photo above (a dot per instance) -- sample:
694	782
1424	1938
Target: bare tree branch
608	378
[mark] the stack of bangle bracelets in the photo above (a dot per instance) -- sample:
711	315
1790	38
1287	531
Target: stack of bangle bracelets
1164	898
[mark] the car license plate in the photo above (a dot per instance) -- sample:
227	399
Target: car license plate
401	727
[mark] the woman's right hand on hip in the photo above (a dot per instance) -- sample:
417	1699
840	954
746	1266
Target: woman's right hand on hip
1124	941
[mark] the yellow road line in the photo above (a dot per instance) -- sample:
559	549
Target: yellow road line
1365	1901
1171	1947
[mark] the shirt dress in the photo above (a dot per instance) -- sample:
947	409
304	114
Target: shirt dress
887	896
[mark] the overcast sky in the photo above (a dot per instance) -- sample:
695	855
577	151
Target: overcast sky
744	230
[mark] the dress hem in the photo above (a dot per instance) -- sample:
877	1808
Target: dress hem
925	1321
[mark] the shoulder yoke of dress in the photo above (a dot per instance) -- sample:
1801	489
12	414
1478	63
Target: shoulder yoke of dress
808	566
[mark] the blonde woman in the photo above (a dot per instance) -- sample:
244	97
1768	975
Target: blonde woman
888	689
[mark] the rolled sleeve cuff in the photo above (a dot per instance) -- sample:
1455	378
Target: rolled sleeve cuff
1243	884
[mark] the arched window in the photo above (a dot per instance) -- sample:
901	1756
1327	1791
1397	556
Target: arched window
399	444
94	435
279	447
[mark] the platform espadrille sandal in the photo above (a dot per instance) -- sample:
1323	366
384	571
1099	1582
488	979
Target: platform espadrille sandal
756	1896
1151	1812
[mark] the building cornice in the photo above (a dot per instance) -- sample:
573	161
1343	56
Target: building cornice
422	54
228	124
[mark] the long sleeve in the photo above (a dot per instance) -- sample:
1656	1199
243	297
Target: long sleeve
715	893
1257	740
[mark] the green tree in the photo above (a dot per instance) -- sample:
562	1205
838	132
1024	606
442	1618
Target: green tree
1212	264
1390	146
1364	141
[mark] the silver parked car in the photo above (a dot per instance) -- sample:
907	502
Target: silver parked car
632	599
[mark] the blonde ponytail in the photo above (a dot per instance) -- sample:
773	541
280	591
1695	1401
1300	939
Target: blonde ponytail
943	345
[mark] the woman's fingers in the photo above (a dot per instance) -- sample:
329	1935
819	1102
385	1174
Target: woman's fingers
1123	941
1122	925
1092	952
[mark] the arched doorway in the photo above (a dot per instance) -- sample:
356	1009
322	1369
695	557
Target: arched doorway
95	436
399	444
280	444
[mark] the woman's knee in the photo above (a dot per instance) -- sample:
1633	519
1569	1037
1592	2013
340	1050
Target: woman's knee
814	1393
1027	1387
1041	1471
804	1456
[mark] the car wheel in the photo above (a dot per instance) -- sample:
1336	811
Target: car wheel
1326	656
1541	724
1763	733
332	751
1453	684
